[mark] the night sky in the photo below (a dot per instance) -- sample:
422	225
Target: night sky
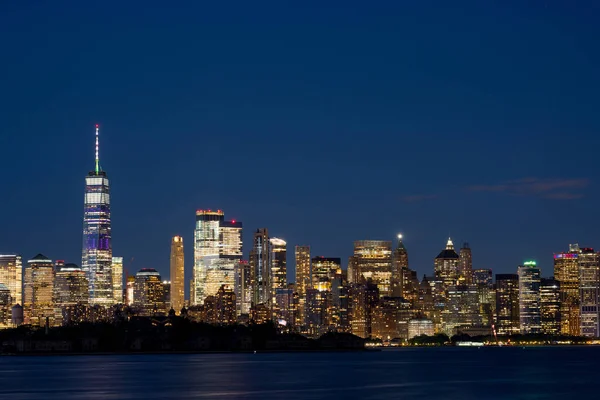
324	123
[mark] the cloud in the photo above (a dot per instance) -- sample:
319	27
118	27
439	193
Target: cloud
559	189
418	197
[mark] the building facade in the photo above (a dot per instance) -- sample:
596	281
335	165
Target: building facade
566	272
550	306
446	265
529	298
149	296
303	279
399	270
38	293
11	275
278	270
261	269
177	274
373	261
117	279
507	304
465	264
589	292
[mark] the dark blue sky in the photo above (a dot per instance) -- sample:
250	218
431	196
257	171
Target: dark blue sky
326	123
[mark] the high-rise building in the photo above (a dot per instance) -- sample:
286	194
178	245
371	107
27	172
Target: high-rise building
507	304
217	251
550	306
286	307
149	295
261	268
117	279
129	290
70	286
177	274
399	269
484	282
529	298
465	264
5	307
461	310
324	270
318	317
97	247
364	297
243	287
11	275
278	261
566	272
446	265
38	296
303	279
373	260
589	292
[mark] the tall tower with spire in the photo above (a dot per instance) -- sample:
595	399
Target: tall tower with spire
96	259
399	268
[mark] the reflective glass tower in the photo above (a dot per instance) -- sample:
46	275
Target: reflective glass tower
96	258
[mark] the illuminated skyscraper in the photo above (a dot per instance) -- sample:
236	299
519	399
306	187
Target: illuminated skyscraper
465	264
38	296
566	272
11	275
5	307
218	249
550	306
324	270
484	282
446	265
97	248
117	279
261	269
364	297
529	298
589	292
149	296
373	260
278	260
399	269
129	290
303	279
177	274
243	287
462	309
70	286
507	304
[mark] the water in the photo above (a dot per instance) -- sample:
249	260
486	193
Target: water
437	373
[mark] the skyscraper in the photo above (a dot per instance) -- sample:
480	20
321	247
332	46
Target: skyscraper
324	270
589	292
566	272
399	269
507	304
117	279
217	251
550	306
177	274
97	247
446	265
373	260
70	286
529	298
465	264
278	260
261	268
11	275
149	294
38	296
303	279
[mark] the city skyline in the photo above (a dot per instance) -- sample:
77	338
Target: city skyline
365	120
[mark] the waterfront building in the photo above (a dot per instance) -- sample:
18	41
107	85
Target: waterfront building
261	269
117	279
318	319
167	294
589	292
303	279
462	309
484	282
96	258
529	298
372	260
507	304
129	290
278	270
385	324
177	274
148	296
419	327
225	312
363	299
566	272
5	307
243	287
399	269
11	275
446	265
465	264
71	294
286	303
550	306
38	293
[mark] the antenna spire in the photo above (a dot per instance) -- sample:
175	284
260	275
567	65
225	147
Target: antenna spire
97	148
